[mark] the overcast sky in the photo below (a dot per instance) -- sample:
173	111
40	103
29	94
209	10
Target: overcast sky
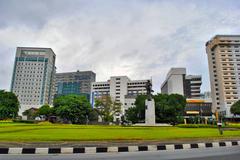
137	38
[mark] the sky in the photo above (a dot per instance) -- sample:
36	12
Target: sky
142	39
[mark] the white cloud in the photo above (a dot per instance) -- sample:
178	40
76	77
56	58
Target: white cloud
139	39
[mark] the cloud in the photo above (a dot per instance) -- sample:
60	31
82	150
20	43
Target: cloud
140	39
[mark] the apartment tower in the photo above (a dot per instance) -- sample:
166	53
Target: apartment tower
223	53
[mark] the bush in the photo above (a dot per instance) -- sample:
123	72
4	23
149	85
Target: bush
196	126
24	121
6	121
233	125
45	123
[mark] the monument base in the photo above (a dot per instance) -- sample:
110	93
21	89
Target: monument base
150	119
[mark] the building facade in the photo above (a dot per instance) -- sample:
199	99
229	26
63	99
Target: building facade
192	86
74	83
33	77
121	89
197	108
223	53
177	82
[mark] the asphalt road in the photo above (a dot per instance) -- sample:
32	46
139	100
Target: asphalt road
225	153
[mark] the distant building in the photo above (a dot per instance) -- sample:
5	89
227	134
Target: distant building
33	77
120	89
207	96
223	53
75	83
199	108
177	82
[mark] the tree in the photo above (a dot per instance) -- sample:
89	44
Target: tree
74	108
137	114
45	111
9	105
169	108
131	115
107	108
140	106
93	115
235	108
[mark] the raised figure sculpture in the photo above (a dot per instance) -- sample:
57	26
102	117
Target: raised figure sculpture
149	90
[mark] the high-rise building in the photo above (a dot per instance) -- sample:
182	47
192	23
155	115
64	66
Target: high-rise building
177	82
223	53
75	83
33	77
120	89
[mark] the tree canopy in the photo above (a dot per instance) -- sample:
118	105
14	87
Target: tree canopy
45	110
107	108
74	108
235	108
168	108
9	105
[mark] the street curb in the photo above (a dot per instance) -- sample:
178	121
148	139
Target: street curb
114	149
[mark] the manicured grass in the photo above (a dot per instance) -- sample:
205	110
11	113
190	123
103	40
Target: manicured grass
37	132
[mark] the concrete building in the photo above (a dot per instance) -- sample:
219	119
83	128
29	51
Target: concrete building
74	83
120	89
192	86
33	77
177	82
223	53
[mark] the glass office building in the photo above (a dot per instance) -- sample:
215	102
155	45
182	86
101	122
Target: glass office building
74	83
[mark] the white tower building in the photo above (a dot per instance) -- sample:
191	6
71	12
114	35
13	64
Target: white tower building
33	77
223	53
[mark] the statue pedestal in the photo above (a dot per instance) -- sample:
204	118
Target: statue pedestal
150	112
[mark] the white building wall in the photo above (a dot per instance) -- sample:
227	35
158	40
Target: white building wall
175	84
118	88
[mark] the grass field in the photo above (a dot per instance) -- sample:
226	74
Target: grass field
37	132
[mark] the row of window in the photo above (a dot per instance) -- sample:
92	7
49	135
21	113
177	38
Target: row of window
136	86
99	85
26	83
230	55
27	91
30	63
229	59
229	46
99	88
136	83
229	41
229	51
231	93
30	71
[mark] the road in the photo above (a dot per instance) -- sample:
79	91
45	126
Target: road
224	153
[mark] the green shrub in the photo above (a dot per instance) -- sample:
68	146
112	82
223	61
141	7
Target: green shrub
24	121
196	126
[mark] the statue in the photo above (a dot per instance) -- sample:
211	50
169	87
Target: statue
149	106
149	90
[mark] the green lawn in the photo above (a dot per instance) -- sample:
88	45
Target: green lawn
37	132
